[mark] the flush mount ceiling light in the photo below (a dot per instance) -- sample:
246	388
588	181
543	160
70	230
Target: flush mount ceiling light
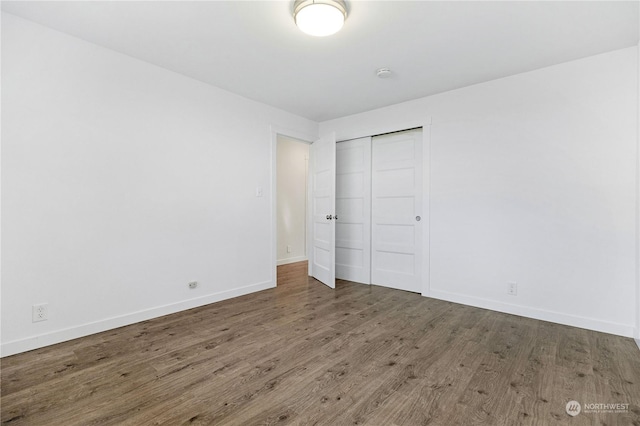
319	17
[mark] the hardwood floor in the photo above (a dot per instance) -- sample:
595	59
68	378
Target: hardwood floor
303	354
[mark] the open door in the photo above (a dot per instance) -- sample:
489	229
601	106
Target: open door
322	253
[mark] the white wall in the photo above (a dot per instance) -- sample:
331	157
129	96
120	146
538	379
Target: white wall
533	180
122	182
292	169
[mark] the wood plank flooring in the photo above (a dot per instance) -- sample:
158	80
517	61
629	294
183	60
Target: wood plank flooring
303	354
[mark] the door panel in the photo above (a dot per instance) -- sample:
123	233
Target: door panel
322	160
396	233
353	208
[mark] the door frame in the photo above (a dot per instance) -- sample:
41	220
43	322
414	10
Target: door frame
303	137
396	125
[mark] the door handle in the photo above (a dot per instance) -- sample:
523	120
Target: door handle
418	218
329	217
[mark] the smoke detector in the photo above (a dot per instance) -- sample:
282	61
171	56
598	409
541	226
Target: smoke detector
383	73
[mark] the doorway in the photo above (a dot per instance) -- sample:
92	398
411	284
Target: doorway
292	169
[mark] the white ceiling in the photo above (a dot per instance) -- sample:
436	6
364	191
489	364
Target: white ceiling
253	48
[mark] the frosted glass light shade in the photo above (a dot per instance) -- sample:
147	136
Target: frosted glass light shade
319	17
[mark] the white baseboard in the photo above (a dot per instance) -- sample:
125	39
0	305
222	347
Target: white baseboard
291	260
58	336
539	314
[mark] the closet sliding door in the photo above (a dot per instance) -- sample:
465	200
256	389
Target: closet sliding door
396	232
353	210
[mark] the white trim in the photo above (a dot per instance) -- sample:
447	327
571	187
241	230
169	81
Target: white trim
58	336
637	330
637	342
625	330
291	260
309	231
0	197
426	207
276	130
380	129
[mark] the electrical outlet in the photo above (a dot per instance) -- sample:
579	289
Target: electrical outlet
512	288
193	284
288	249
40	312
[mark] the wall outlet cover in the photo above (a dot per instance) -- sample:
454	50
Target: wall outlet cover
40	312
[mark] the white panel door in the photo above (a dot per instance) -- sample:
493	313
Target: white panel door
322	159
353	210
396	236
